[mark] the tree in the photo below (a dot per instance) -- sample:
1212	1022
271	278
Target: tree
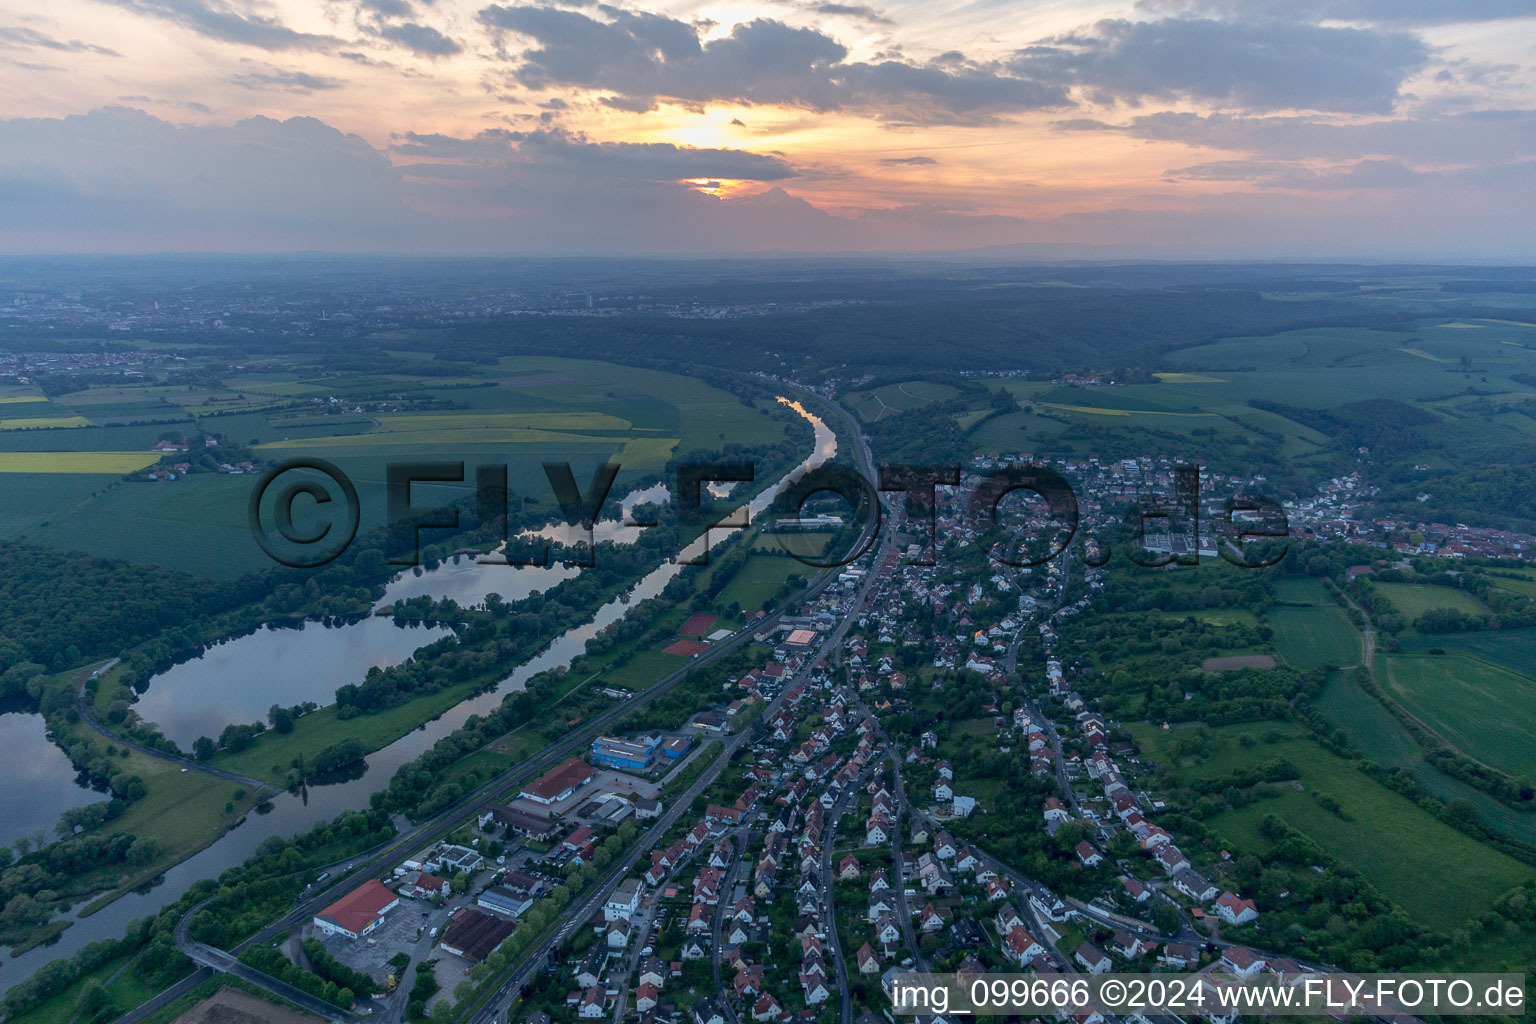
203	749
143	851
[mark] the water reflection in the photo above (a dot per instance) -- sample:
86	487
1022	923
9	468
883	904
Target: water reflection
40	783
238	680
290	815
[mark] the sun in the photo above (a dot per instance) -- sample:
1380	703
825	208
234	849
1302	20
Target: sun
720	188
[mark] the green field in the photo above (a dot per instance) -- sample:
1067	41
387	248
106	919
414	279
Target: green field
871	406
1414	599
1524	586
641	670
1513	649
1399	847
1376	734
523	412
1317	635
1322	367
35	422
1485	711
758	580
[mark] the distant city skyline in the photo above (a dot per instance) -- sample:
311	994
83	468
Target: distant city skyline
1356	129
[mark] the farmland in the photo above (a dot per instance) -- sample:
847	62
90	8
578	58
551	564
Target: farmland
1378	736
116	463
520	411
1485	711
1400	848
1310	630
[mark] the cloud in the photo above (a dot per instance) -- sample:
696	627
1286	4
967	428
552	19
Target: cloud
1484	136
641	59
216	19
565	153
1249	65
908	161
422	40
26	37
118	179
1370	174
1380	12
286	80
386	8
859	12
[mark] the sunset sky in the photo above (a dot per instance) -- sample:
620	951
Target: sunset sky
1394	129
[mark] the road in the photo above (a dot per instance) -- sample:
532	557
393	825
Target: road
87	713
440	824
225	963
828	884
496	1008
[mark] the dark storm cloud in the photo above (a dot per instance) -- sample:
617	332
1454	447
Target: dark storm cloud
1254	66
26	37
218	20
642	58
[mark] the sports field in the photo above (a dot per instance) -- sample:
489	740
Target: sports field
758	580
1487	712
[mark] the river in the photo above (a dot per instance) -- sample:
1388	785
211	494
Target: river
291	815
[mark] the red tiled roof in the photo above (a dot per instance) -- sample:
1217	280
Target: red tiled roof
358	908
560	778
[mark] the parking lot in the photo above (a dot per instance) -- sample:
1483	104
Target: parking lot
403	929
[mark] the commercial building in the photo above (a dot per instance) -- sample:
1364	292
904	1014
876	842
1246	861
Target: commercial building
637	754
358	912
559	782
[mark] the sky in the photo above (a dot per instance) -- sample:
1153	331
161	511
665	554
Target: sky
1354	129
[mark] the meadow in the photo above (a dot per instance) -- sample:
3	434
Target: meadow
1485	711
1414	599
1310	630
874	404
1401	848
1377	735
